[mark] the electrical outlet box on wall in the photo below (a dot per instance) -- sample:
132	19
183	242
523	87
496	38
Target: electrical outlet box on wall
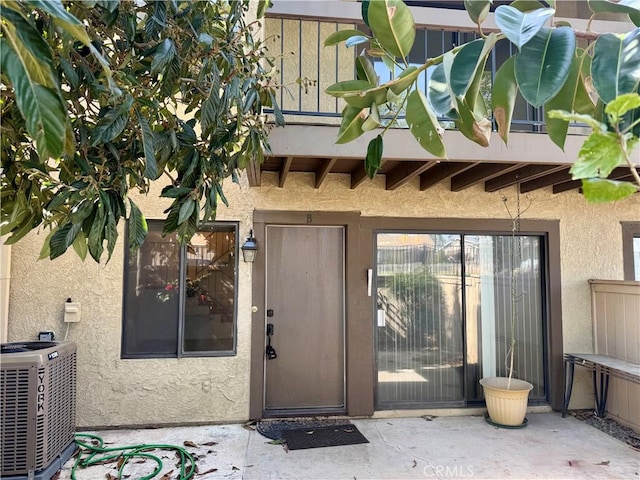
72	312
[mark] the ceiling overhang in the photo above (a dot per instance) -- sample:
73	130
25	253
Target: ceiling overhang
530	160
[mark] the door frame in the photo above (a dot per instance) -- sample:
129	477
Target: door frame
359	355
360	365
552	298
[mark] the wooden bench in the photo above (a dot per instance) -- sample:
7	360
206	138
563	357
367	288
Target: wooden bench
602	366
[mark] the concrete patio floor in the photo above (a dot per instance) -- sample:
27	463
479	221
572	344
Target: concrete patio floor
399	448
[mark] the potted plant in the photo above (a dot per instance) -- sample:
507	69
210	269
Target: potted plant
507	397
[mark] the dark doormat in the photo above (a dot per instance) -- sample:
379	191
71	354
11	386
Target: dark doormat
327	436
274	429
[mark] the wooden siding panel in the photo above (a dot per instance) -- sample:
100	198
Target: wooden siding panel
632	324
616	330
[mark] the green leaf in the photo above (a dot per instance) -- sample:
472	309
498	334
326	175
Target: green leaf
164	54
263	6
148	143
543	64
110	235
277	113
25	227
63	238
599	155
365	12
529	5
477	10
464	67
186	209
392	25
635	18
46	249
175	192
474	128
473	94
578	118
96	234
349	88
521	27
359	40
70	73
365	70
616	66
618	107
55	9
28	35
467	66
572	97
438	91
599	190
342	36
406	78
424	124
68	22
503	97
358	93
82	211
80	245
137	226
373	160
622	6
43	111
112	123
373	120
351	125
156	20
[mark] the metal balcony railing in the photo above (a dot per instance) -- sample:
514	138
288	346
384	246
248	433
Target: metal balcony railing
305	68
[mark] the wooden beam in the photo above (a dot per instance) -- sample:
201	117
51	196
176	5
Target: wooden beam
405	171
478	174
621	174
441	171
284	171
566	186
546	180
358	175
254	174
522	174
323	171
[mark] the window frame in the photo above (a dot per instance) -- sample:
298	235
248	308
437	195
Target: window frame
543	235
630	230
182	273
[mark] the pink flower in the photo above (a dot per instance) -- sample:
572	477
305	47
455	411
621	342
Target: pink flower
169	287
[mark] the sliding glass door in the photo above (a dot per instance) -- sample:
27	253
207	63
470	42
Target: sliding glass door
444	314
419	319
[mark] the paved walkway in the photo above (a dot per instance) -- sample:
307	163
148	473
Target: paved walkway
399	448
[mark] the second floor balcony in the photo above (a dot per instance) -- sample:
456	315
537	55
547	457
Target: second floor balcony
295	33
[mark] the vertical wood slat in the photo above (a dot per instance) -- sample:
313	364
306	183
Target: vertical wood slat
616	331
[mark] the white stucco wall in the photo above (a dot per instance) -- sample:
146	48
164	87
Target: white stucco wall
114	392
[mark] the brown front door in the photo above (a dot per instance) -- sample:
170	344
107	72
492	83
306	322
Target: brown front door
305	305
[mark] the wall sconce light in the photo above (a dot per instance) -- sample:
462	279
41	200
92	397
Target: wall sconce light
249	248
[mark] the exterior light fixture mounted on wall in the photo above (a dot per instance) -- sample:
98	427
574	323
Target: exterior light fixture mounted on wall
249	248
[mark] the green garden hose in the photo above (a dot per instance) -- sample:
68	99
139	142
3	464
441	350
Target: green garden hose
91	454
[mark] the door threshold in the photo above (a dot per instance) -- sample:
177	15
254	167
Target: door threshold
304	412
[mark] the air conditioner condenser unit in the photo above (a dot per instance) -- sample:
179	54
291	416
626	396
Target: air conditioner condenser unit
38	408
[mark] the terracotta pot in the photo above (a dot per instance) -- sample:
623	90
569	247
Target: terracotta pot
506	404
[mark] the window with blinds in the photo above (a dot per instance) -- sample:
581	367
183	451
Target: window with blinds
444	312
